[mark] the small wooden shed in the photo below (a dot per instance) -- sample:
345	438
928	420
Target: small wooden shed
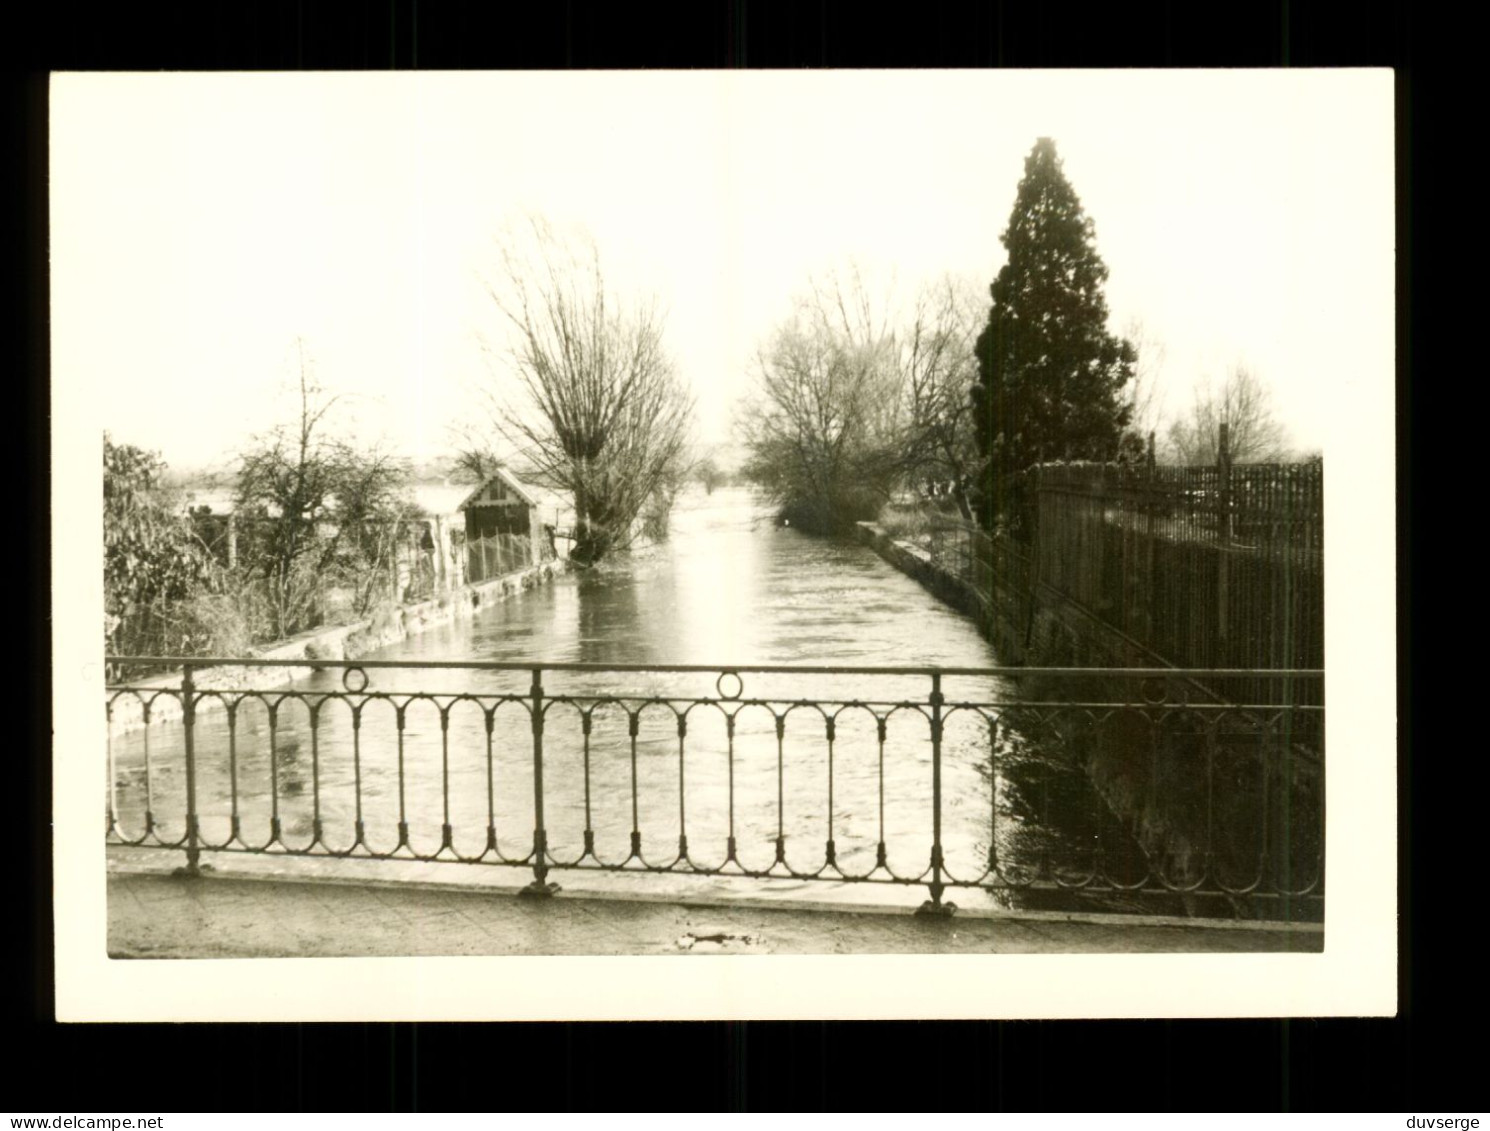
501	505
503	529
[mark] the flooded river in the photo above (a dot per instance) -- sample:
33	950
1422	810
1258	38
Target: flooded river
729	588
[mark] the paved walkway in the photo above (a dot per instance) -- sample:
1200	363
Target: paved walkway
156	915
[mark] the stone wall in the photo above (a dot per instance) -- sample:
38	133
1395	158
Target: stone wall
1028	623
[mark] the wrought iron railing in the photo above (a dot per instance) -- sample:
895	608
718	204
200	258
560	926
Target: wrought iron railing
1119	785
1206	566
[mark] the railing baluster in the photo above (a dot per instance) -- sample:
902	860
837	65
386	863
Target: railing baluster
993	797
359	829
682	808
1208	860
934	905
491	796
1045	872
188	721
587	721
274	823
1099	848
149	792
780	791
235	830
881	858
403	812
540	885
729	729
831	851
315	773
1149	871
1265	776
447	834
633	726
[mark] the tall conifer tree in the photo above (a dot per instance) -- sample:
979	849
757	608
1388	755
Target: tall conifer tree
1051	377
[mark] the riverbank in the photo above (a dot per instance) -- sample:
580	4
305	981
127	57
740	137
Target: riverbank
331	642
916	563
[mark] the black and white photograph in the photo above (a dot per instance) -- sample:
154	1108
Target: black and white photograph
723	544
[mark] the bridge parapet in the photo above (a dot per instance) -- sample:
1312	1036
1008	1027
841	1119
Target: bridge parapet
973	780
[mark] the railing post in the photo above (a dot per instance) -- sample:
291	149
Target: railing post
540	886
188	718
934	905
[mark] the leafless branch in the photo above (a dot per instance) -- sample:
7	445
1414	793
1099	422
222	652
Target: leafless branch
593	400
1243	402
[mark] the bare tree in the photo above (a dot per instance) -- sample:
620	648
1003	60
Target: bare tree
599	411
1243	402
824	428
707	472
858	396
938	364
320	510
1144	403
475	461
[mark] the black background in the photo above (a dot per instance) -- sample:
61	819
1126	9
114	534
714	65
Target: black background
1416	1061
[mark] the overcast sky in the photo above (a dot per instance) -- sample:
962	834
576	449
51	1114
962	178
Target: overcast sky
201	224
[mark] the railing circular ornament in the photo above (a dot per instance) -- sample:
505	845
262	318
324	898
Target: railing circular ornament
1154	691
739	685
360	681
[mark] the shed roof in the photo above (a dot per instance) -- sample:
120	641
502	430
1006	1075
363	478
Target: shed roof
504	476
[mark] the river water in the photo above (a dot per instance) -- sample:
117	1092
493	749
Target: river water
728	588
